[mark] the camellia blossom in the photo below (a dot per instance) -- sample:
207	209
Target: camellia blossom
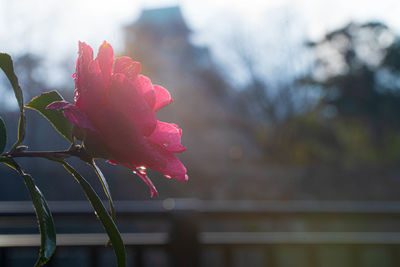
115	115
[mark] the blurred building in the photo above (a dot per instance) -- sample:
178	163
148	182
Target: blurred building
214	131
161	37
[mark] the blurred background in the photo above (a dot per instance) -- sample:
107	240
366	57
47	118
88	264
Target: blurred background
290	111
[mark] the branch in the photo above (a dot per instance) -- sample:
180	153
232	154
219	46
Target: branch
52	155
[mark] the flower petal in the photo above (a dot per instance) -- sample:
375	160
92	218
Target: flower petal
121	138
105	57
167	136
145	87
89	80
171	166
56	105
82	64
173	169
72	113
163	97
131	70
147	180
77	117
126	99
126	66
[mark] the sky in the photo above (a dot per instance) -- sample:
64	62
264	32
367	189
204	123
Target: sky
53	28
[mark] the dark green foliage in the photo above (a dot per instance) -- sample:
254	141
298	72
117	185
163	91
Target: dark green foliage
106	188
3	136
21	130
104	216
6	64
363	94
43	214
55	117
357	119
392	58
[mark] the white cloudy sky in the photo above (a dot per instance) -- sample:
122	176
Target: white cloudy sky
53	28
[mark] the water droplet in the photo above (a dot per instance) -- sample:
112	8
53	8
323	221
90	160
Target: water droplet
111	162
168	176
76	94
165	144
142	170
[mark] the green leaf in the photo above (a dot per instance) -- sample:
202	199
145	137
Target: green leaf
21	130
45	221
6	64
104	216
43	214
106	188
9	162
55	117
3	135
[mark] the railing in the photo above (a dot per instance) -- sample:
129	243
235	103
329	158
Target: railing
186	229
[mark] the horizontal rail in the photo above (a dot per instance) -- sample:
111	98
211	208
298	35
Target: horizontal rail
316	238
181	217
92	239
211	238
212	207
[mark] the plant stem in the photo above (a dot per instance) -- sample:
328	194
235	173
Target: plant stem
60	154
41	154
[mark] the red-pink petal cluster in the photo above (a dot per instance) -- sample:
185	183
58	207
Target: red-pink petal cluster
116	106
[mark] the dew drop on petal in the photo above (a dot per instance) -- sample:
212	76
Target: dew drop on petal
76	95
165	144
142	170
112	162
168	176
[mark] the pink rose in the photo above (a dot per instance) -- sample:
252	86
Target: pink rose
115	107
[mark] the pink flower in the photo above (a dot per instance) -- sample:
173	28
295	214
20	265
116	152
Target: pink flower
115	107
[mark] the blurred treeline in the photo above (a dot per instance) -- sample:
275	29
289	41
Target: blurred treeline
356	118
